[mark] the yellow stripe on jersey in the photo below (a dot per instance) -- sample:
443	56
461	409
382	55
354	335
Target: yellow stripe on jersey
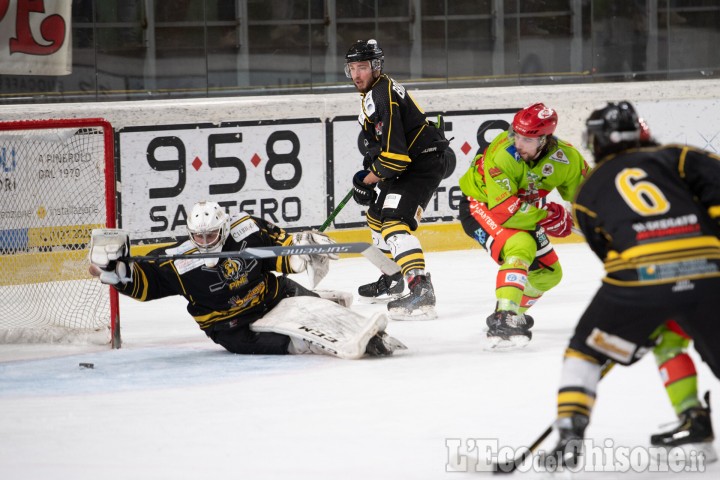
714	211
670	245
416	137
396	156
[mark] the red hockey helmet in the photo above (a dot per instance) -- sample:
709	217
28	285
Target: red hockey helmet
535	121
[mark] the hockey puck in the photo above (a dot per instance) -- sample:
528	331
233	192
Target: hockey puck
87	365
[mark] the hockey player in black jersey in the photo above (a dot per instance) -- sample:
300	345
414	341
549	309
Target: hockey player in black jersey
241	304
652	215
404	164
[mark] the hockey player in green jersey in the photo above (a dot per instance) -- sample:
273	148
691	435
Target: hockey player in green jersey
505	209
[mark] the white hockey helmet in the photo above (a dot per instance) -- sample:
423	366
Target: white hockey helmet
208	226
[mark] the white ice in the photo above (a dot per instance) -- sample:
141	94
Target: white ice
172	405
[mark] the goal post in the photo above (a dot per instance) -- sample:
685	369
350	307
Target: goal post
57	183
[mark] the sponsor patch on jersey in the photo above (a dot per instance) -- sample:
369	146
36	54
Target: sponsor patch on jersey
244	229
559	156
392	200
494	171
368	104
611	345
547	170
418	214
184	265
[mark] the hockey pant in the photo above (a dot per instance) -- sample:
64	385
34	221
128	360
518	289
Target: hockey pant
529	266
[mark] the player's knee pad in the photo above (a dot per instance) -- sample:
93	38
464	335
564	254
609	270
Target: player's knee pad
407	251
546	278
379	241
669	344
520	246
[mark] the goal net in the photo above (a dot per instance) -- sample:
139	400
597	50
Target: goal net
56	185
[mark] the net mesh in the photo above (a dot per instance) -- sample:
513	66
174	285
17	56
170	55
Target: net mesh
53	194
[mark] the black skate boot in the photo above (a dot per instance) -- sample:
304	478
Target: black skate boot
693	434
383	345
419	304
508	329
569	449
387	287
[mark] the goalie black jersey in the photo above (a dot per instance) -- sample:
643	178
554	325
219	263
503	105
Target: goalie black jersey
394	125
653	215
235	288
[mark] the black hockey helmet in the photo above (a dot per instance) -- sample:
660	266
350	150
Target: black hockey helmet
365	50
612	128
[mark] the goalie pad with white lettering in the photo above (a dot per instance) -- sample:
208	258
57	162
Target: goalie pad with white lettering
334	329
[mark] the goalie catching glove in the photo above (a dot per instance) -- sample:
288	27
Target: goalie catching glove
317	266
108	247
558	222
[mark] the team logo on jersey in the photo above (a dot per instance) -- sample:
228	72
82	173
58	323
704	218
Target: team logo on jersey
378	129
233	273
547	170
560	157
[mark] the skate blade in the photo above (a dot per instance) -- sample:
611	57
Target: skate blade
513	342
700	451
424	313
377	300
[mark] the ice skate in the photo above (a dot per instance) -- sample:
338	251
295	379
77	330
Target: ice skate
418	304
383	345
385	289
508	330
529	322
693	434
569	449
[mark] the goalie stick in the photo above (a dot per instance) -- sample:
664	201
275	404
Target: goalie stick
369	251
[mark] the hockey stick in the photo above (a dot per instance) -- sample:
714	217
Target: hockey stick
368	250
334	213
374	254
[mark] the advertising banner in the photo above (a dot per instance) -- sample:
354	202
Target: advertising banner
273	170
35	37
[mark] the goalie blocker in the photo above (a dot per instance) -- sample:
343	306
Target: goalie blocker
233	297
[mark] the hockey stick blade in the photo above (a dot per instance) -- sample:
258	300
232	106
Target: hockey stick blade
266	252
510	467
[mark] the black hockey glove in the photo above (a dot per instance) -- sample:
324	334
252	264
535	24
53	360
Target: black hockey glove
372	152
363	193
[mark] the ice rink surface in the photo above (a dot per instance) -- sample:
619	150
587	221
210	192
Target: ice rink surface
172	405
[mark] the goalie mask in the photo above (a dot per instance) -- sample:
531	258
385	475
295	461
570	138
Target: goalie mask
208	226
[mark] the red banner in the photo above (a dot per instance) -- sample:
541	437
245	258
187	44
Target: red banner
35	37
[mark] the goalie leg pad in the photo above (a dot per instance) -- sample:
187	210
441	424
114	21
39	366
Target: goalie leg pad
334	329
344	299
